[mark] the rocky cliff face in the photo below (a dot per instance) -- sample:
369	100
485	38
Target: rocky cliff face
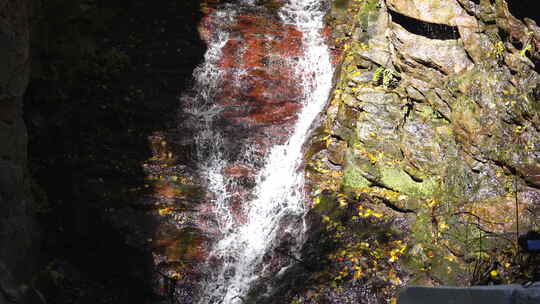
426	166
18	234
424	169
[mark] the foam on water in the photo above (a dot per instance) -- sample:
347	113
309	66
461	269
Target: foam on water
279	185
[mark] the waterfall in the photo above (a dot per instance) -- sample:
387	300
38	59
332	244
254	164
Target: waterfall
278	192
203	112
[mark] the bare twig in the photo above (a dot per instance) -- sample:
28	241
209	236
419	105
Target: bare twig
517	213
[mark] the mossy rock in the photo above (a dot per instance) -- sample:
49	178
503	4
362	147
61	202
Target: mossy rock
398	180
352	178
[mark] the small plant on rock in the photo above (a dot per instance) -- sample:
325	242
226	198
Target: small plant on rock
385	76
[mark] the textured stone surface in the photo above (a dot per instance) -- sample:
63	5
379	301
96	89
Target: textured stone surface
445	56
439	11
439	114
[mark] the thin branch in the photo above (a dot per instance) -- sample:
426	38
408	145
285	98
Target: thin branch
475	216
517	213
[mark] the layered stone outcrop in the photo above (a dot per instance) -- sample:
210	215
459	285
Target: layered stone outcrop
432	132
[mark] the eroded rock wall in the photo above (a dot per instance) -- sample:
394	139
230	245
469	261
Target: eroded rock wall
433	132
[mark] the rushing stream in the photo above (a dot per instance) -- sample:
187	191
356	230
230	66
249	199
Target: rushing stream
272	209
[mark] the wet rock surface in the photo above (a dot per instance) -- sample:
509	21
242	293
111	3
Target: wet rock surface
252	108
259	97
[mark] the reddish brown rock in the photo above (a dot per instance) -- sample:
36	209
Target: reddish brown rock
260	97
238	171
259	86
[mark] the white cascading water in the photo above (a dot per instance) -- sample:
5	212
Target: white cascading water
208	140
279	188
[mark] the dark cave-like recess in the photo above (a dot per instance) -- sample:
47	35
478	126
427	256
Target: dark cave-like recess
426	29
525	9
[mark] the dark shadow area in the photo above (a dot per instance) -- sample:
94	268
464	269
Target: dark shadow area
524	9
106	75
426	29
521	10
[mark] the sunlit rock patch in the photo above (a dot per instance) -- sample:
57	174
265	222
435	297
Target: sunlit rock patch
438	151
179	239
